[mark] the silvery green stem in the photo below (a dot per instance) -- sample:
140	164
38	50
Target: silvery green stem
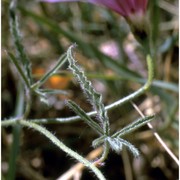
118	103
117	145
139	92
58	143
60	62
105	152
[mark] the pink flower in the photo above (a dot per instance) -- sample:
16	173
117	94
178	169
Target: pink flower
132	10
124	7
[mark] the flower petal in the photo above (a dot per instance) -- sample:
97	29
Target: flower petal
123	7
55	1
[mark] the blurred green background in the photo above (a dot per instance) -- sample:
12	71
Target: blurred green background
116	64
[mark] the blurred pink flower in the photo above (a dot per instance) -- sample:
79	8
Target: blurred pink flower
124	7
133	11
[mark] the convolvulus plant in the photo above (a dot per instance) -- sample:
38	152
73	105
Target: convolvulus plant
22	65
134	11
102	126
100	122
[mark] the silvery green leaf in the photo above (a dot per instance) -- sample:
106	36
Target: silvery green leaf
42	96
47	75
98	141
84	116
117	144
131	147
44	100
53	91
133	126
19	68
94	97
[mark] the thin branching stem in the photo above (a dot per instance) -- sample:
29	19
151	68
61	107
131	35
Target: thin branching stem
28	104
58	143
16	133
118	103
104	154
45	77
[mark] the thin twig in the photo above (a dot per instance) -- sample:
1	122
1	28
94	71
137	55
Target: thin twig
79	166
120	102
58	143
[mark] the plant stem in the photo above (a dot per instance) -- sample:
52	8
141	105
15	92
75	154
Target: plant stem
120	102
60	62
58	143
16	134
104	155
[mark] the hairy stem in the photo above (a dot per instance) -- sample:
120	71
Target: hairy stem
104	155
58	143
143	89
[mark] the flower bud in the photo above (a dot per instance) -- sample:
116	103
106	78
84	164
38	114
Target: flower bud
134	11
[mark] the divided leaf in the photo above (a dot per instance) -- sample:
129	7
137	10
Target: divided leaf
117	144
94	97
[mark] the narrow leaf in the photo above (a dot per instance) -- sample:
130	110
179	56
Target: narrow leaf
53	91
117	144
84	116
14	26
133	126
59	64
98	141
19	68
131	147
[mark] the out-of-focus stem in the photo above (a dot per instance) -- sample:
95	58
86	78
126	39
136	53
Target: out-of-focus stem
58	143
16	133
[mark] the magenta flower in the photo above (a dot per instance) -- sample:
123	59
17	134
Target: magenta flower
124	7
132	10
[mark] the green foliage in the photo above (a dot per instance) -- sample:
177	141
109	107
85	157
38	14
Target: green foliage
21	55
95	99
82	31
